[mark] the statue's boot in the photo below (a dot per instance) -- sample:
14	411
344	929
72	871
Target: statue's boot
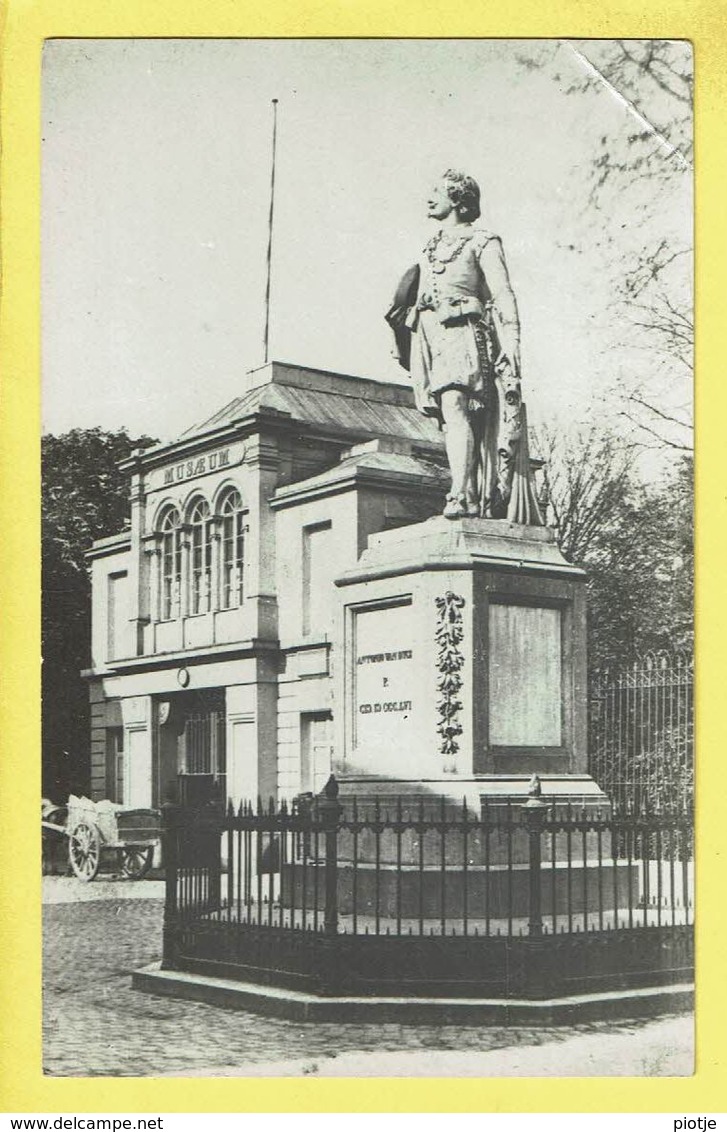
456	507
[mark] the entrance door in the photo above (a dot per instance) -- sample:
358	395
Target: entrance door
203	768
191	749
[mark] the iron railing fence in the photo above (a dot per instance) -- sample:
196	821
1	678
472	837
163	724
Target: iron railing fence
641	732
378	895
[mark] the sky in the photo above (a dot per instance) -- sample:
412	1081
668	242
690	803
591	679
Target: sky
155	182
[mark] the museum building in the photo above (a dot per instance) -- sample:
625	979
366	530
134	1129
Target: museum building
214	665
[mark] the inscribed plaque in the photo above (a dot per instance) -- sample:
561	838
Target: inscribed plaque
525	660
383	677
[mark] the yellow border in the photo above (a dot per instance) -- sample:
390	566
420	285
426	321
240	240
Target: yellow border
25	25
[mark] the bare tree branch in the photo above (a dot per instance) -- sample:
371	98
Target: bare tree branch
659	412
665	441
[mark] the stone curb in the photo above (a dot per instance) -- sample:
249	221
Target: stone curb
281	1002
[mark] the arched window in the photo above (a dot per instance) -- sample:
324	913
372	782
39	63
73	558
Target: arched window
201	558
232	550
171	546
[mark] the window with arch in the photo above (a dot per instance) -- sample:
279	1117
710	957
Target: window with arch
232	556
171	566
200	523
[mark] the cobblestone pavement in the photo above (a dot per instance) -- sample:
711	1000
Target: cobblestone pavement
94	1024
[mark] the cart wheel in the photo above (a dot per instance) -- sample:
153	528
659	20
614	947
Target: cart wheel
84	851
136	861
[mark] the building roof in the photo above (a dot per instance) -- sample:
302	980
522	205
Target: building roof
354	406
378	461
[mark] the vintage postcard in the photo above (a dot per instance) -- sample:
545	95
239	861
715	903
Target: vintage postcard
367	606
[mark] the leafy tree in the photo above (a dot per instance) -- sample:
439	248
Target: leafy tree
640	573
84	497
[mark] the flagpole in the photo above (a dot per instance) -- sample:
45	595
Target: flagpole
270	230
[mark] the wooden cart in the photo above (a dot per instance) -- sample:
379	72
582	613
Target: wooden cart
95	829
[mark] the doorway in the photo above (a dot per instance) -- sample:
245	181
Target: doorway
192	756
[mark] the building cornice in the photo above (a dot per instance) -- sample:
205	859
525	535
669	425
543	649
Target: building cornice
470	564
348	479
239	429
185	658
154	457
106	547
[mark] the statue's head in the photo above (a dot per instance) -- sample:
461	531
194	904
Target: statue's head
464	193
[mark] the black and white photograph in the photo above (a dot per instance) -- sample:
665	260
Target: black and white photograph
367	558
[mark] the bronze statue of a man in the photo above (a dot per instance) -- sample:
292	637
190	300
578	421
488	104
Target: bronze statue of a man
456	324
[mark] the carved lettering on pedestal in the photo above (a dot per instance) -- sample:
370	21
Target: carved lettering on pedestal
450	661
383	679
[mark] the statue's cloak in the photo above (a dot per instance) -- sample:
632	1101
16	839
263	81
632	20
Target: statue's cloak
404	299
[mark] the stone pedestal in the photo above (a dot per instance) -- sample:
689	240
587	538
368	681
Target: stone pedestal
463	674
464	660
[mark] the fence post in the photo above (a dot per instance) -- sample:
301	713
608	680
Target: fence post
213	853
534	811
330	811
170	858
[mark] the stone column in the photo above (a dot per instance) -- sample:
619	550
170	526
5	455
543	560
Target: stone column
184	595
216	576
138	613
260	582
152	553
